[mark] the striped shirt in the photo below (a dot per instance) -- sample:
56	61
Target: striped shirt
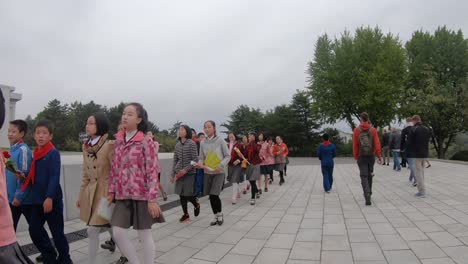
184	154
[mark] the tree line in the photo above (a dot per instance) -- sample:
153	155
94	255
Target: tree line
373	72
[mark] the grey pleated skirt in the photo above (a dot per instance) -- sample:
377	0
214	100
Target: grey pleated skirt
134	213
252	172
12	254
213	183
235	174
185	186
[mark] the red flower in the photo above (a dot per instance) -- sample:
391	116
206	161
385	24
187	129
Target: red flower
6	154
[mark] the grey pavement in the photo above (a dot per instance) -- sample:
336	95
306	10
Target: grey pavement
299	223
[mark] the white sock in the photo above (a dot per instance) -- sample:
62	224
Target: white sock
125	245
235	190
93	235
149	248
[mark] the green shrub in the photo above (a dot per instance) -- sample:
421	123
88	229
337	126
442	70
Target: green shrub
461	155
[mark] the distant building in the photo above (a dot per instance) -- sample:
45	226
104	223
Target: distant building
11	98
345	136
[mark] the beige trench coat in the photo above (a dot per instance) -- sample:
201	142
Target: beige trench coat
97	162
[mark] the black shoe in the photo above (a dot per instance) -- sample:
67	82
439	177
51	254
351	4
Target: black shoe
185	218
257	196
281	183
368	200
214	222
122	260
266	190
220	219
109	245
40	259
196	210
260	191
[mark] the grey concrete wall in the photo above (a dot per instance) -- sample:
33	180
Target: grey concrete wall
71	182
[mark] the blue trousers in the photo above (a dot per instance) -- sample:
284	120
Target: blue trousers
40	237
411	166
327	172
396	160
199	182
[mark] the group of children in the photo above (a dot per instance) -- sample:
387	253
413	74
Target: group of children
126	172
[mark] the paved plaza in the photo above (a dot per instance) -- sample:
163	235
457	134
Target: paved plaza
298	223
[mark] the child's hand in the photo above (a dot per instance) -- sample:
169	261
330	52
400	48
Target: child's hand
110	198
16	202
20	176
153	209
48	205
218	170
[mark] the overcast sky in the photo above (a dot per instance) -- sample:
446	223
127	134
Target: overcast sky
185	60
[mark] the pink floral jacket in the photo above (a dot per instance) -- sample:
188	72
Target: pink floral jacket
135	168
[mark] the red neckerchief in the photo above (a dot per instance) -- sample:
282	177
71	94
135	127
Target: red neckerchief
39	153
326	143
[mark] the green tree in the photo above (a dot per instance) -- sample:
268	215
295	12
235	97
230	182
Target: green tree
58	114
174	131
437	84
358	73
244	120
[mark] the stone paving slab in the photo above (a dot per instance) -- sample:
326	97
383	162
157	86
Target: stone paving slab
298	223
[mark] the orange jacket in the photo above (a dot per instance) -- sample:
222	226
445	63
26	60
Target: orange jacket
276	150
375	138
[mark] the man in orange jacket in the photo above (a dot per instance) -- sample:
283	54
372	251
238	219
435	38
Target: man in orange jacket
366	145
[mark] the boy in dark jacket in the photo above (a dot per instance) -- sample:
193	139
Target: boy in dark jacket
44	202
326	152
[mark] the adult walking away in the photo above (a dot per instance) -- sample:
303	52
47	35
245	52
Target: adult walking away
418	151
183	172
214	157
395	141
280	151
326	153
403	147
386	147
366	145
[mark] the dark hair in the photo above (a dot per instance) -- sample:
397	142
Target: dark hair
188	131
21	125
2	109
201	134
102	123
263	134
194	132
255	136
213	124
235	136
325	136
364	116
269	138
45	123
141	113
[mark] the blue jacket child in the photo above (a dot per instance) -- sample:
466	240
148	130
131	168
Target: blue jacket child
326	153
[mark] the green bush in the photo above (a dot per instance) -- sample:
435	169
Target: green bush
461	155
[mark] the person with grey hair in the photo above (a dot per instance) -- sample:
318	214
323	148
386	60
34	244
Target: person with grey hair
418	151
395	140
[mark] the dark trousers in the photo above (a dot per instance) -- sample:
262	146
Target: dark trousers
281	176
199	182
215	203
254	188
16	212
184	201
366	171
404	159
327	172
40	237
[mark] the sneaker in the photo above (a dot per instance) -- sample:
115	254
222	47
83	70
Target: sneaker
40	259
266	190
428	166
233	201
220	219
257	196
196	210
252	201
420	195
280	183
122	260
327	191
260	191
185	218
109	245
415	184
